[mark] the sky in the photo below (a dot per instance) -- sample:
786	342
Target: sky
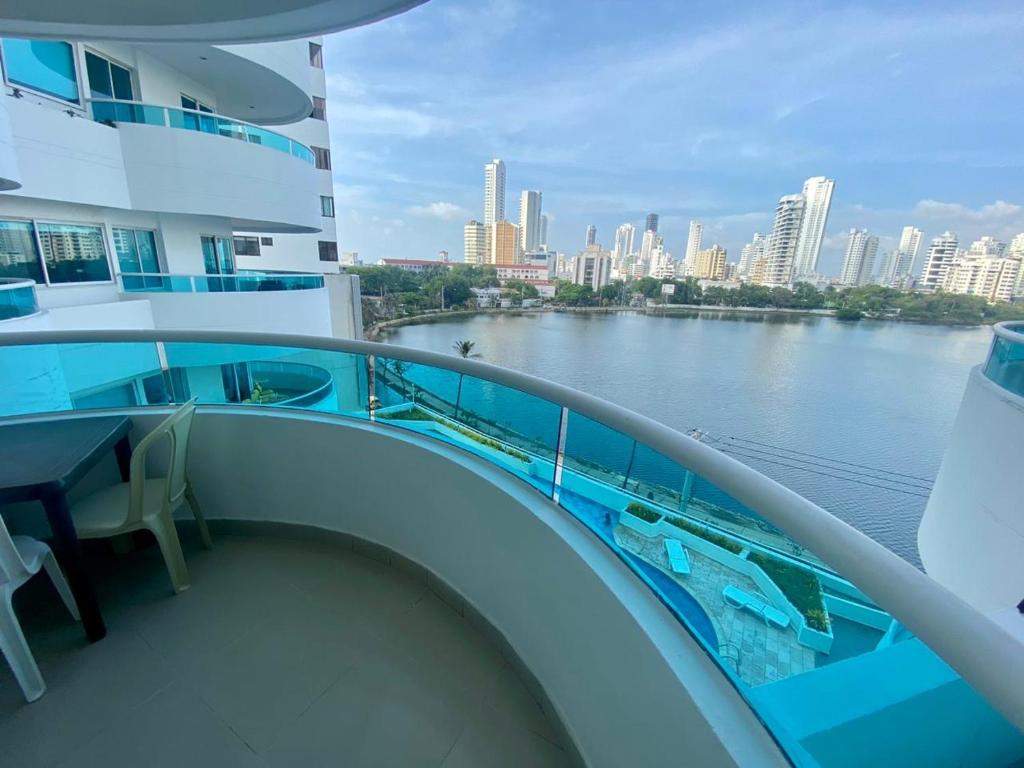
697	110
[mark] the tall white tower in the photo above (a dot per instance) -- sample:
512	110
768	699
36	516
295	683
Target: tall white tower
529	220
901	262
751	252
859	261
544	230
693	244
941	253
781	247
817	202
494	192
624	235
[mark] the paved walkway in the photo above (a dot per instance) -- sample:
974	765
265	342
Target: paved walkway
764	654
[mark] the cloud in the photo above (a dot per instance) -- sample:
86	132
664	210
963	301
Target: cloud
996	213
439	210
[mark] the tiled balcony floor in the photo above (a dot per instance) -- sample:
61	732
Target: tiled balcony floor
283	653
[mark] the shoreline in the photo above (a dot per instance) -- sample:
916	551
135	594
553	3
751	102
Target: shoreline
377	330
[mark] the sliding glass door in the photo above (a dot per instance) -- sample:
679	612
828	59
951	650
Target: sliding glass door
136	255
219	259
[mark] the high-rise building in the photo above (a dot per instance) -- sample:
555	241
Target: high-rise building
591	235
751	252
694	241
544	230
646	246
859	261
504	243
661	264
941	252
494	191
529	220
652	223
709	264
817	202
624	235
475	243
1016	248
901	261
987	246
781	247
592	267
990	276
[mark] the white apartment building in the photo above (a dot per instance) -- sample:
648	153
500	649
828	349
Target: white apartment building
780	250
941	252
751	252
529	220
543	231
987	246
624	235
901	262
991	277
476	242
592	267
694	242
859	261
494	192
139	170
817	195
661	265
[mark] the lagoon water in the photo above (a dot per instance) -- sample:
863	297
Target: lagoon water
854	416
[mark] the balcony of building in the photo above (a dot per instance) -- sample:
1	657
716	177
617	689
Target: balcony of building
655	601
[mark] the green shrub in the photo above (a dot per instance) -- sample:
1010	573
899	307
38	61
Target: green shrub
800	586
719	541
642	511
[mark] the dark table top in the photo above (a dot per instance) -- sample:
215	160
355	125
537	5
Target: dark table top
51	456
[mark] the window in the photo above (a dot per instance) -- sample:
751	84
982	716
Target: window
266	241
136	254
19	256
328	250
108	80
187	102
327	206
73	253
319	109
322	158
47	66
316	55
247	246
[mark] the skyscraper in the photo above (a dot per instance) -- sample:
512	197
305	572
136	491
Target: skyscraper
693	244
652	223
781	247
650	235
987	246
529	220
591	234
941	252
750	253
817	202
544	230
859	261
504	244
901	261
624	235
494	192
475	243
709	264
592	267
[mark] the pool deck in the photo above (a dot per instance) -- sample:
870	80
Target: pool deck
766	654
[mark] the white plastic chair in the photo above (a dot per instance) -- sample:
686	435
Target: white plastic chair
21	558
149	503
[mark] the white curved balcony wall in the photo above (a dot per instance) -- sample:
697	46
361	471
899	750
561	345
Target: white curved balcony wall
10	175
630	684
305	312
226	21
188	172
972	532
263	99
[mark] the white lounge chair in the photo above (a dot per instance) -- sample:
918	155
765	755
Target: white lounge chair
678	560
744	601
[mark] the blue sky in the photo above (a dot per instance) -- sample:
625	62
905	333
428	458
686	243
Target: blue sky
703	110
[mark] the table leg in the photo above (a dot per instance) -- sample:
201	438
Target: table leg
69	555
123	452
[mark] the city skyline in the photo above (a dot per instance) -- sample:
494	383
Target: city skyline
418	125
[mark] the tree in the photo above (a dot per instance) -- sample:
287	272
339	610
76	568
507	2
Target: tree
573	295
522	290
464	348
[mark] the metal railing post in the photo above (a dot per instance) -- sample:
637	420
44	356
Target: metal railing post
556	481
370	386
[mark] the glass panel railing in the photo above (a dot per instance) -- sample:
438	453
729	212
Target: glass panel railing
835	678
1005	364
113	112
17	298
140	282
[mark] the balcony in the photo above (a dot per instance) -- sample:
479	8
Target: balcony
1005	364
17	298
243	282
542	514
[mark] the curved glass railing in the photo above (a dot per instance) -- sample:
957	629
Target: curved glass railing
244	282
114	111
17	298
832	674
1005	364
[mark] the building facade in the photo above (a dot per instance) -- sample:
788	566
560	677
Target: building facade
694	242
817	195
709	263
859	261
504	244
941	253
902	260
750	253
475	242
591	235
592	267
529	220
780	249
494	192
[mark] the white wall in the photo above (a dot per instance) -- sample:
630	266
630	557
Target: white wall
972	533
116	315
631	685
10	175
301	312
346	306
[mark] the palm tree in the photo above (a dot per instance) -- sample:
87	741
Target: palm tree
464	348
